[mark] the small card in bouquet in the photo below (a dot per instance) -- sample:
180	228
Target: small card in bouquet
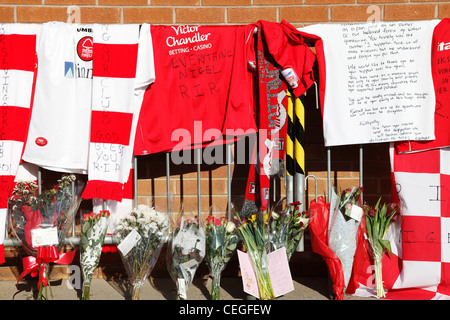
355	212
129	242
190	264
44	237
249	280
279	272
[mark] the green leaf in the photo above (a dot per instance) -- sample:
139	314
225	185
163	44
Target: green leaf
369	225
383	212
386	245
375	229
85	228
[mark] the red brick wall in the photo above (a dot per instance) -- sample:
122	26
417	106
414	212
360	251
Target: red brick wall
297	12
151	169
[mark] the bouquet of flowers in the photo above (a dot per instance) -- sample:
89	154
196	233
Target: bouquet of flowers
141	236
345	217
254	232
93	232
40	222
287	227
221	241
378	220
186	251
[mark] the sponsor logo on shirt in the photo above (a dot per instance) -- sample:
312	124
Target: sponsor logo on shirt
188	36
442	46
85	48
41	141
68	69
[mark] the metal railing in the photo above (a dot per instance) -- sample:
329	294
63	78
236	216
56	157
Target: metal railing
296	193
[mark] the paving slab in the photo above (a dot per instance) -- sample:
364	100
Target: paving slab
310	288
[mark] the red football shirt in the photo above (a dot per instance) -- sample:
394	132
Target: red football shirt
203	87
440	68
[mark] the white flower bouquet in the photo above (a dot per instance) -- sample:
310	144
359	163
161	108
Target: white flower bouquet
141	235
93	232
186	251
346	214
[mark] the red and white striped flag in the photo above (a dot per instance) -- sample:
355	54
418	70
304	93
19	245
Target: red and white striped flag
122	69
17	74
420	265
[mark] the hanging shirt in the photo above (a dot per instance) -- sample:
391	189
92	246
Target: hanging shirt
440	68
58	138
203	88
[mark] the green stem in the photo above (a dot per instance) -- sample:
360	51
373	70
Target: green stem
86	291
379	278
215	289
136	292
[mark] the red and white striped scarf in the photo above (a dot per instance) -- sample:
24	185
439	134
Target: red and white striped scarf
122	70
117	209
17	76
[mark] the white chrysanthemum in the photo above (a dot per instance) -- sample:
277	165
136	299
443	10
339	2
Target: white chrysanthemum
119	226
230	226
161	219
130	219
143	209
142	221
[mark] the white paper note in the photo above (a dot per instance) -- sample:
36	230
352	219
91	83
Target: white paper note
378	86
129	242
44	237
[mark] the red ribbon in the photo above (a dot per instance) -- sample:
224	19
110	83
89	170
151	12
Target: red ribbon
44	255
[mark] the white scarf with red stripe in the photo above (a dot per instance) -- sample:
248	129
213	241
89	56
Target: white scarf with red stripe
122	69
118	209
17	74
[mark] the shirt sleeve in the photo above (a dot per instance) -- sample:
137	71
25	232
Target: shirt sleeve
145	71
287	47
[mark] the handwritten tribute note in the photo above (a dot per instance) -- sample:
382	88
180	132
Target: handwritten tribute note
279	272
378	85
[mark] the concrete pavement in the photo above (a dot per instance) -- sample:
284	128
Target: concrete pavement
310	288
